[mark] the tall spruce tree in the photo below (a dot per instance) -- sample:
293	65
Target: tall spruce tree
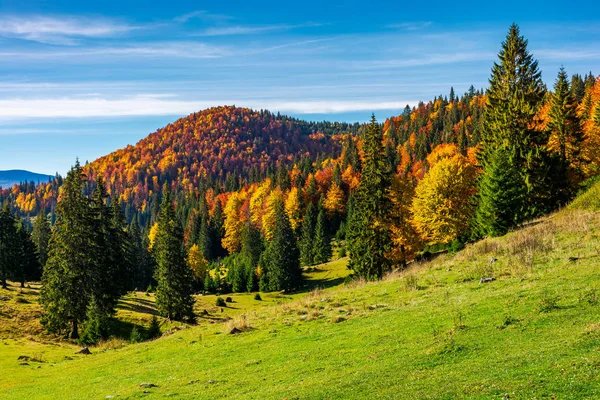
566	136
252	248
41	237
515	95
8	245
174	298
321	243
143	267
109	257
280	261
501	192
367	237
122	246
27	266
307	253
70	272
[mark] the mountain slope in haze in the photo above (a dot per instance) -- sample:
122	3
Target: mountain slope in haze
16	176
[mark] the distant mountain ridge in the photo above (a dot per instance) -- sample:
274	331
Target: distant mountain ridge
16	176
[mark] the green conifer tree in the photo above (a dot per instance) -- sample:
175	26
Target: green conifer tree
9	244
501	195
368	239
307	254
26	264
41	237
321	243
515	95
174	298
565	128
280	261
70	272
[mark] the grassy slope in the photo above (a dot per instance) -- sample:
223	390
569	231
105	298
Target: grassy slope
431	332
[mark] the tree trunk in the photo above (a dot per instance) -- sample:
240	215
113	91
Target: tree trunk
74	330
4	286
403	256
23	283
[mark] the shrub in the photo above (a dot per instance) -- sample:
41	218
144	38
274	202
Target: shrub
136	335
257	297
220	302
229	300
154	328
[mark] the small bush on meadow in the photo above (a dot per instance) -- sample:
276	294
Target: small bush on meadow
136	335
257	297
220	302
154	328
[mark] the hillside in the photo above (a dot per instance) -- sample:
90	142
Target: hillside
212	145
16	176
433	331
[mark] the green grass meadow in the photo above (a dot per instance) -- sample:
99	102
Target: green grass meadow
431	332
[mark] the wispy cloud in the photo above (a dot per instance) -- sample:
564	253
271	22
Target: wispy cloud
59	29
253	30
410	26
191	50
201	14
566	55
17	109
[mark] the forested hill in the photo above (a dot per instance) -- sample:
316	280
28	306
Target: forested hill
221	147
226	146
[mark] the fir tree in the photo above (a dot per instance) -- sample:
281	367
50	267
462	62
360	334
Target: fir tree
27	266
566	137
41	237
515	95
70	272
109	256
596	116
501	194
280	261
321	243
173	276
8	245
307	254
368	239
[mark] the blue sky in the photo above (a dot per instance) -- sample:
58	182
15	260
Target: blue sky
83	78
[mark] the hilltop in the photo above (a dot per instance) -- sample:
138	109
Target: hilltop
532	332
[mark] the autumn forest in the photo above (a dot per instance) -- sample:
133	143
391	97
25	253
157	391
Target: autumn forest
231	200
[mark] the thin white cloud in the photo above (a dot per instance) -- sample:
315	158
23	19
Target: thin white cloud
17	109
410	26
566	55
202	14
156	49
252	30
59	29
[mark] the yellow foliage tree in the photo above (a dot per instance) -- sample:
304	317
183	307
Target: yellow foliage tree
197	262
232	241
334	202
257	203
406	239
152	235
293	207
270	216
442	208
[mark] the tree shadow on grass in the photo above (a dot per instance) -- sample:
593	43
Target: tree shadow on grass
135	306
